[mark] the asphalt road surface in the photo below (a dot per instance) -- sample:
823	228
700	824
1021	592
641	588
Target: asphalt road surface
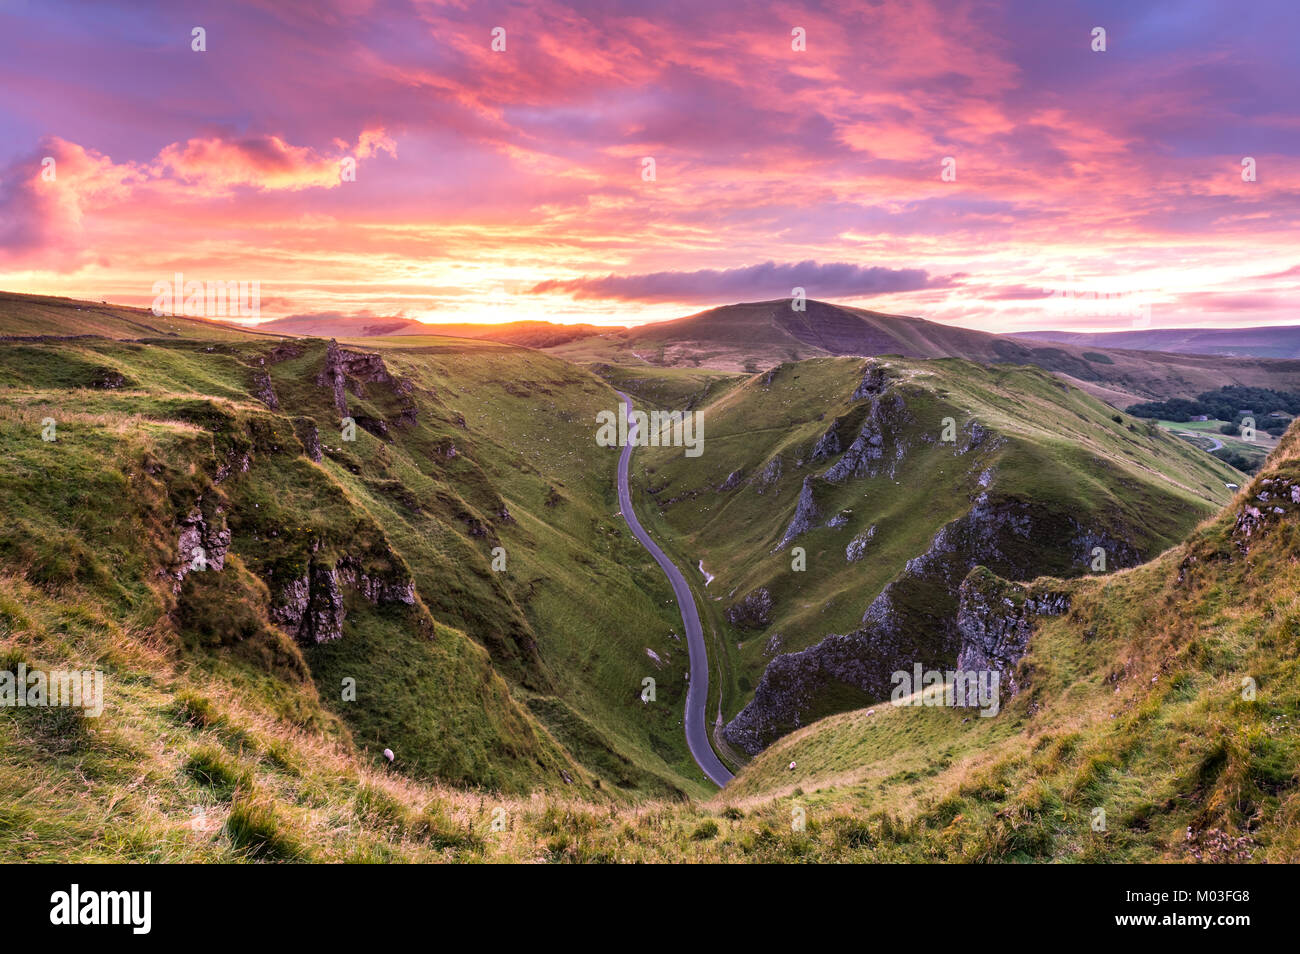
697	693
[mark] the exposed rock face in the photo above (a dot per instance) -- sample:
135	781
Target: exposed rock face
374	589
806	514
1118	553
770	475
107	379
731	483
283	352
372	425
866	455
752	612
786	691
976	434
1271	499
331	376
364	367
311	607
201	545
360	368
236	462
263	391
323	620
996	619
828	445
857	547
409	413
914	618
874	381
309	434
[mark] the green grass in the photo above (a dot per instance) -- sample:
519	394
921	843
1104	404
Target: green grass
512	699
1061	451
463	683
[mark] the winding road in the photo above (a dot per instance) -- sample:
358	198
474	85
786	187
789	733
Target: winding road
697	691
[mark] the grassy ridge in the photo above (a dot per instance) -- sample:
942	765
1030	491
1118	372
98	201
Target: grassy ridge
1060	450
1166	698
38	315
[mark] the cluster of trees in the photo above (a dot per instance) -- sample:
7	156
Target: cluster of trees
1247	465
1230	403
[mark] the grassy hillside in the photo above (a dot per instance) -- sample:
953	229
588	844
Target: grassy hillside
1075	471
667	388
26	316
225	738
525	334
496	678
1166	697
1132	705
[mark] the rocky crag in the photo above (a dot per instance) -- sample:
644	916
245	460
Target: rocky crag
917	617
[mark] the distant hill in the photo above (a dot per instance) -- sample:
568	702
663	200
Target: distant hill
334	325
753	336
525	334
1275	342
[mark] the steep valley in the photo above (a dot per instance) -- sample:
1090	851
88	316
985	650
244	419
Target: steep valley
276	599
848	461
365	562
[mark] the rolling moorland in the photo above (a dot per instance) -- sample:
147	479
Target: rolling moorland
1266	342
512	699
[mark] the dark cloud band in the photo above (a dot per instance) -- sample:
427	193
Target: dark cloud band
751	282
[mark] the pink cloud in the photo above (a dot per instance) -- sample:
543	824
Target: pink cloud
265	163
47	196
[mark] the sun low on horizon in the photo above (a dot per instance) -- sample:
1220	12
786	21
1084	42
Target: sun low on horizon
1007	167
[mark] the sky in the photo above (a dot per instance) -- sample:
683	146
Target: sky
973	162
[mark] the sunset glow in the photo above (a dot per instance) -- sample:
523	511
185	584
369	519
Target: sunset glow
498	185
